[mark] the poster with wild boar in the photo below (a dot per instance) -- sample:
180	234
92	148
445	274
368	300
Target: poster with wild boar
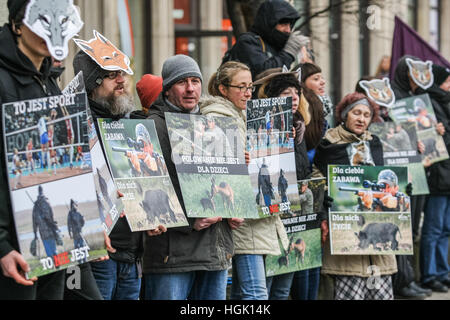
209	158
371	212
419	110
140	174
51	183
304	250
272	157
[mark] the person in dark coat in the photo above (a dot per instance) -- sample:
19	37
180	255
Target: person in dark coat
119	276
434	266
189	262
44	222
24	75
270	43
75	224
404	284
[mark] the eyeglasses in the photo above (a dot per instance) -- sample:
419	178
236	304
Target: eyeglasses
114	74
243	88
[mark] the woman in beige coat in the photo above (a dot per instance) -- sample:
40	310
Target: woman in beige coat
230	89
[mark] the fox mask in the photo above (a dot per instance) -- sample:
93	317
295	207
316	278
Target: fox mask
104	53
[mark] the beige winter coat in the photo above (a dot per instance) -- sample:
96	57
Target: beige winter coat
353	265
255	236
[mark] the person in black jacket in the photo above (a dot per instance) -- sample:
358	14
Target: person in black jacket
404	284
188	262
270	43
25	65
119	276
434	266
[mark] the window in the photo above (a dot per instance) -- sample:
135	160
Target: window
412	14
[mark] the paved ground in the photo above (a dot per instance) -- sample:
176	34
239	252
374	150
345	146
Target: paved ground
439	296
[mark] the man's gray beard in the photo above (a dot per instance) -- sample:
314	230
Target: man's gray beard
120	105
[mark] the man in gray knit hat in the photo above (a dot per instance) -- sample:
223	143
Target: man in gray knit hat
192	261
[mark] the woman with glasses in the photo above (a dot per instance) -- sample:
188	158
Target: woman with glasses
230	89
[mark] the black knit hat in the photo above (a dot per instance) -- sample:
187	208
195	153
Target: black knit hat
440	74
308	69
93	74
277	84
14	7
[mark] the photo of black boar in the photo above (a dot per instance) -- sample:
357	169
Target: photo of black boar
156	203
378	233
430	147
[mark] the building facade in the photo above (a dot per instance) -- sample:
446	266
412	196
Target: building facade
349	37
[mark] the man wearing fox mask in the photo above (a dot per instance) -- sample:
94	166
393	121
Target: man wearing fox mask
25	62
106	80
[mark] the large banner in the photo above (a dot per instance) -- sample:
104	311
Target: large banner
304	250
371	213
51	183
272	157
419	110
209	158
109	204
399	142
140	173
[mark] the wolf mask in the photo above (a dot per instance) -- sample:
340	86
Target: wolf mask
55	21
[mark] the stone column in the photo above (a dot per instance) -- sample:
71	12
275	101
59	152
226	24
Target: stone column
320	37
3	12
350	58
445	28
382	34
163	33
211	54
423	19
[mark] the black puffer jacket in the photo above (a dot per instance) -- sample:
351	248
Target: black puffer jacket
128	244
19	80
183	249
261	47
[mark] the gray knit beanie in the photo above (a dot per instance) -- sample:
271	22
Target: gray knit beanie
179	67
93	74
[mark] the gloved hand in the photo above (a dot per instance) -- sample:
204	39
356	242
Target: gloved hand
409	189
327	202
294	44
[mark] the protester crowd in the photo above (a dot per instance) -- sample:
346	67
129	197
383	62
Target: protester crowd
193	262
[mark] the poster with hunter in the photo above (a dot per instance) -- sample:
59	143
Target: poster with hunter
419	110
51	182
371	212
210	163
140	173
109	203
270	144
304	250
399	141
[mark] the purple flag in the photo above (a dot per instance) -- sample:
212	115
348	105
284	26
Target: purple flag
407	41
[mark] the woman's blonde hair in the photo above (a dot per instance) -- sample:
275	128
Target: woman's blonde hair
224	75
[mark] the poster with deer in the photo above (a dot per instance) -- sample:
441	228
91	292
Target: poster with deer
304	250
270	144
371	211
399	142
419	110
140	173
209	158
51	184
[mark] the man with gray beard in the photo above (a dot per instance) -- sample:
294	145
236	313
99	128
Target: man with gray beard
118	278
